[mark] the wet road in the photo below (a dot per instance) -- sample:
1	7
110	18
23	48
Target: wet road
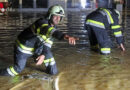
79	68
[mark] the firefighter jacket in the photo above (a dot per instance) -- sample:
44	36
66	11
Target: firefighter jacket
106	19
38	37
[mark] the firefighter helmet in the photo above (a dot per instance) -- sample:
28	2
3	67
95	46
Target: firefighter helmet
55	10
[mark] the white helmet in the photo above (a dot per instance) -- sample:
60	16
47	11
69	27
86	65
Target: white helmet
55	10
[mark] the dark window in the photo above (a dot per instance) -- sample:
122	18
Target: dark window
27	3
42	3
14	3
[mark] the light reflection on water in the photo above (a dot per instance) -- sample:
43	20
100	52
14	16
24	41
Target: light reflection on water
79	67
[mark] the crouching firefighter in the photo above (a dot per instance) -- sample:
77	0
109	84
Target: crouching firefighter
36	40
99	22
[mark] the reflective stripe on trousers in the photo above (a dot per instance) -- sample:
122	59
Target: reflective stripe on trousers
50	61
11	71
105	50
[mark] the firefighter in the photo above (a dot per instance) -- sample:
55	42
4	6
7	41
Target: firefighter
99	22
36	40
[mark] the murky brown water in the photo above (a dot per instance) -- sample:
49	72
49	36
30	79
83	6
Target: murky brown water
79	68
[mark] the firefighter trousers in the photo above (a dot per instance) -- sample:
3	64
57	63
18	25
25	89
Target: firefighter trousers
20	60
99	39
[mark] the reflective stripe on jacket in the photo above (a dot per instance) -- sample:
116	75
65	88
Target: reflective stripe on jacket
36	34
46	38
116	30
108	14
42	38
106	19
50	61
24	48
95	23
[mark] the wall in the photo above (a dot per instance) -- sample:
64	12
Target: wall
61	2
3	0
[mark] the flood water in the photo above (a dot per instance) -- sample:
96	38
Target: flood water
79	67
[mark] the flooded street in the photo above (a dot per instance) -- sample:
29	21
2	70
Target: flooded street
79	67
